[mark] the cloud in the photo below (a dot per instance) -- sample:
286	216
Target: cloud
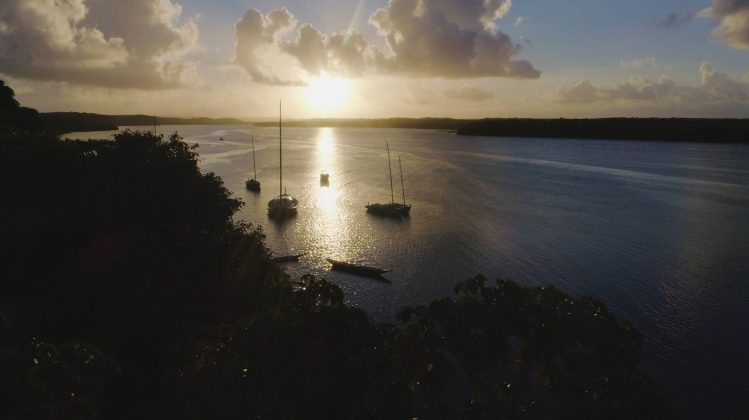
422	38
638	63
674	20
257	40
419	94
714	88
581	92
468	93
448	39
342	53
733	21
133	44
720	86
519	20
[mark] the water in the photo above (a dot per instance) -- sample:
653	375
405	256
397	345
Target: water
657	231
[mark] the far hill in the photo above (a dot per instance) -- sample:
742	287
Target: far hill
66	122
141	119
426	123
656	129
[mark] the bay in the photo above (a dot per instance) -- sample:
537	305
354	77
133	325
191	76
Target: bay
657	231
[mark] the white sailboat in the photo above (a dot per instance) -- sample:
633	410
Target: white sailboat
284	204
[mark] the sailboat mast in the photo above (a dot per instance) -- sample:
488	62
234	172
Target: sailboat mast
392	200
402	187
254	168
280	153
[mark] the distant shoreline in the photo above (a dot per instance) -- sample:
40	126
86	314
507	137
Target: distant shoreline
638	129
643	129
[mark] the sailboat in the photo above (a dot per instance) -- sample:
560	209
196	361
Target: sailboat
253	184
284	204
391	209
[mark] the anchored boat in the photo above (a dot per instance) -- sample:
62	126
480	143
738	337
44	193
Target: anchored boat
361	270
253	184
284	204
391	209
288	258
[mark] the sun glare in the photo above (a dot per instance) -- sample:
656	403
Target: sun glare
326	93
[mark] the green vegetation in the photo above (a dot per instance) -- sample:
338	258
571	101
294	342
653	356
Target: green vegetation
128	291
660	129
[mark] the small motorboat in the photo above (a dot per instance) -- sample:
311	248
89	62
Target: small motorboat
324	178
361	270
220	139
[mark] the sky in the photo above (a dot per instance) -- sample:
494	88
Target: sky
379	58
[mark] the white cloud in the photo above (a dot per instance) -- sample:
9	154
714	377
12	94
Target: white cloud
448	39
714	88
257	41
733	21
133	44
581	92
345	54
519	20
423	38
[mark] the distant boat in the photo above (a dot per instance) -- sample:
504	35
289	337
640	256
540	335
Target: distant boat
221	138
362	270
391	209
284	204
324	178
253	184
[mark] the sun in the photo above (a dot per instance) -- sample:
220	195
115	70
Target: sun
326	93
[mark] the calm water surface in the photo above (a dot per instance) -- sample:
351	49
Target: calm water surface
657	231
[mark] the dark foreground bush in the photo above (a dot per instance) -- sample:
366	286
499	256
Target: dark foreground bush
128	291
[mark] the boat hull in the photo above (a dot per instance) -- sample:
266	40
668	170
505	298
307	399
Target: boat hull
252	185
284	205
361	270
389	210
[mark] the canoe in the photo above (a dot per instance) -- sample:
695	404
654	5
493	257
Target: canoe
362	270
287	258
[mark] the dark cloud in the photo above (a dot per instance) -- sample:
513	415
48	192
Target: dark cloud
133	44
733	21
468	93
674	20
423	38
